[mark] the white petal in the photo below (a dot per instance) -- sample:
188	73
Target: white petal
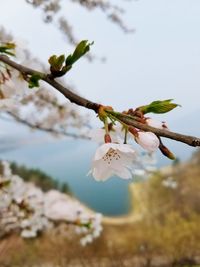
100	175
125	148
101	151
148	141
124	173
101	171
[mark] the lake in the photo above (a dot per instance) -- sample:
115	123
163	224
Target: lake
69	161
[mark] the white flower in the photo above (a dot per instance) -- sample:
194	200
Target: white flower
15	87
59	206
26	208
139	172
113	159
85	240
170	183
97	232
20	51
148	141
28	233
156	124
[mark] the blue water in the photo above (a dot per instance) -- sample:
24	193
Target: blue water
69	161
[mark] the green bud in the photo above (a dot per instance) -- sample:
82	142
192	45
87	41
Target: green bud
7	48
81	49
56	63
158	107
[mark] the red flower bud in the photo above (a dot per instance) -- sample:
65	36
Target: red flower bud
107	138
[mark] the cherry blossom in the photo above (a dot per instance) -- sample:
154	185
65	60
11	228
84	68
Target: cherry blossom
15	88
59	206
27	209
148	141
170	183
113	159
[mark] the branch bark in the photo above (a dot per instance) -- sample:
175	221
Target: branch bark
187	139
74	98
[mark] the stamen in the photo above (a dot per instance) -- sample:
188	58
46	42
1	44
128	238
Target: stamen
111	155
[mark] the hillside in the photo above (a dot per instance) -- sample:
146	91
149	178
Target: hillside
39	178
167	233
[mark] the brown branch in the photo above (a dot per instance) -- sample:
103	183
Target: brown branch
74	98
189	140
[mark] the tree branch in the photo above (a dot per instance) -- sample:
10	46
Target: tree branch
74	98
189	140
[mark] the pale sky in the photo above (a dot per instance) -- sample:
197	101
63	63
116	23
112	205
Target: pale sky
160	61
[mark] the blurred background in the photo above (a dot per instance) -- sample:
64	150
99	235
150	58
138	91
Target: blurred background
149	51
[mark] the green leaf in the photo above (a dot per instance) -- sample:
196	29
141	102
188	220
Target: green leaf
34	81
56	62
81	49
59	65
158	107
6	47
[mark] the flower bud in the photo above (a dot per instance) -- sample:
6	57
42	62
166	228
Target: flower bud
107	138
148	141
165	151
132	130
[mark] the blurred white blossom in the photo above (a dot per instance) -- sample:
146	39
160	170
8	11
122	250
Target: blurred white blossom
27	209
170	183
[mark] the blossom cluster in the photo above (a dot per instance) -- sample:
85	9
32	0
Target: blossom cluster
26	209
115	157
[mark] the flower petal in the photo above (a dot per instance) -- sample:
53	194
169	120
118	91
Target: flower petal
101	171
101	151
124	173
148	141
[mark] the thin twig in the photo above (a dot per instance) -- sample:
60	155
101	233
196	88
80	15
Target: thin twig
187	139
74	98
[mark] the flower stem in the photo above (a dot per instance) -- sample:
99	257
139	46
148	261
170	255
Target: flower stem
125	135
